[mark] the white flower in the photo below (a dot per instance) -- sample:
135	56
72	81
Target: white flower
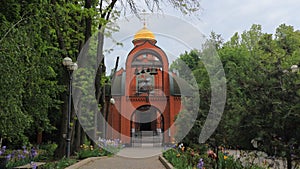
181	145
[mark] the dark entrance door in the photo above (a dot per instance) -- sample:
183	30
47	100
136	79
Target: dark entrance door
146	119
147	127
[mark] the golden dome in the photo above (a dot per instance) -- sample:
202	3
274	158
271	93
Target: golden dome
144	33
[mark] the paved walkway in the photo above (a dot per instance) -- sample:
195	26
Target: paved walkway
129	158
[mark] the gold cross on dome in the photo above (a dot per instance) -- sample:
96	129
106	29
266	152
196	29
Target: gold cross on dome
144	14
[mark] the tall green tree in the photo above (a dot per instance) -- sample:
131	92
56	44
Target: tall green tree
262	92
29	86
35	36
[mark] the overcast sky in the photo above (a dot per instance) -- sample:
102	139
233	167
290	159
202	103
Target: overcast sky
177	33
229	16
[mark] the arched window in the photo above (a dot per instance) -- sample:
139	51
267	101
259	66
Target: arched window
147	58
146	65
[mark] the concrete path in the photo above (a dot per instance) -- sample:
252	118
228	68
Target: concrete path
129	158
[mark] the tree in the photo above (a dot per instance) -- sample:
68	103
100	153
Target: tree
35	37
29	88
265	91
262	92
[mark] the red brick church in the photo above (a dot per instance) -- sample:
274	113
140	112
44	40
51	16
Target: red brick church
146	95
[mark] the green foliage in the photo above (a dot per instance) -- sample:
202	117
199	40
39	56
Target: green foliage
176	159
262	91
12	164
29	86
104	148
61	164
47	151
190	158
227	162
20	157
190	59
187	119
89	151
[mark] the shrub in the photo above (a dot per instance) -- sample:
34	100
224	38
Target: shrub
202	157
181	157
47	151
87	151
62	163
105	147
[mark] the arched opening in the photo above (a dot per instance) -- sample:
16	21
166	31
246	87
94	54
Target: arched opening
147	127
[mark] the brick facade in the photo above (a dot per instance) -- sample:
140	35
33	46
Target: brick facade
142	95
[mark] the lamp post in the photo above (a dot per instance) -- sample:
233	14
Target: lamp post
71	67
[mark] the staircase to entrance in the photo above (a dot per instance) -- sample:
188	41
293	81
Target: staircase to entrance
147	139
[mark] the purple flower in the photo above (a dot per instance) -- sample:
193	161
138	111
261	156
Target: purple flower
24	147
33	165
8	157
33	153
200	163
3	148
21	156
25	151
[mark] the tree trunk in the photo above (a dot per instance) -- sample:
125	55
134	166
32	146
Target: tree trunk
39	138
98	86
289	159
88	21
100	90
79	134
61	149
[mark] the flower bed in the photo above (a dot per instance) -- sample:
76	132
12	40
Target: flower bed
30	155
14	158
104	148
181	157
202	157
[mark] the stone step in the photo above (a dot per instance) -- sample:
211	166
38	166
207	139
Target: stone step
147	133
148	137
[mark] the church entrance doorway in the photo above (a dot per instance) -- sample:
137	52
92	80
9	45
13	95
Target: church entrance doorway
147	126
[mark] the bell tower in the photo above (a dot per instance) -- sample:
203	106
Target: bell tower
144	108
